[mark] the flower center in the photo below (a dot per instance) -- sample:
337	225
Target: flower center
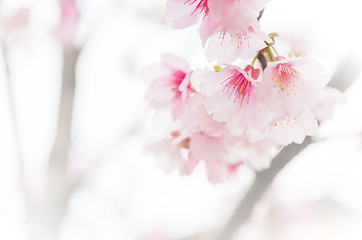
237	38
201	6
179	76
238	87
284	75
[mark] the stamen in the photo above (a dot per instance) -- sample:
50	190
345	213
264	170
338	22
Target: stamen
238	87
201	7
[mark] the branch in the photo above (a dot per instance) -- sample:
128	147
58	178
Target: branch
60	188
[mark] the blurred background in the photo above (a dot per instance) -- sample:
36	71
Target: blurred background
74	125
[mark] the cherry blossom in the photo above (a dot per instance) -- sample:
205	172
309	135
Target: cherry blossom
232	96
235	116
291	85
292	128
170	83
225	46
68	24
229	29
184	13
329	97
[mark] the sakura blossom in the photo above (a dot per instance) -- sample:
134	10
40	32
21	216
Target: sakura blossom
170	83
232	96
68	23
236	115
288	128
225	47
184	13
13	23
225	32
292	85
328	98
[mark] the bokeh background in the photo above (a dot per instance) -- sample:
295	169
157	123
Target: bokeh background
83	172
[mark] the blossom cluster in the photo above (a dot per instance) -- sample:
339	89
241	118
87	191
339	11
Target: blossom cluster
231	115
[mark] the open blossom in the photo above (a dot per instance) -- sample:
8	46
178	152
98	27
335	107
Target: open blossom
184	13
232	96
287	128
226	47
200	138
218	170
184	149
291	85
229	28
257	155
196	113
68	23
170	84
234	116
170	152
329	97
13	23
235	15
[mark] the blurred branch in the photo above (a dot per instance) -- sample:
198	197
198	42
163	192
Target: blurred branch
341	79
346	73
60	187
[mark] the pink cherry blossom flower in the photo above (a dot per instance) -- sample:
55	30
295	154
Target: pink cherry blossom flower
329	97
287	128
294	128
235	15
232	96
174	153
169	84
68	24
225	46
184	13
230	29
257	155
218	171
291	86
195	113
15	22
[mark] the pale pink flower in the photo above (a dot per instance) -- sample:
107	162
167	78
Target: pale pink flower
174	153
68	23
257	155
195	113
288	128
294	128
291	86
235	15
218	170
169	84
184	13
185	148
204	145
15	22
225	46
232	96
229	28
328	98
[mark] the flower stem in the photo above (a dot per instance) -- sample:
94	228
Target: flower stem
254	59
274	49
